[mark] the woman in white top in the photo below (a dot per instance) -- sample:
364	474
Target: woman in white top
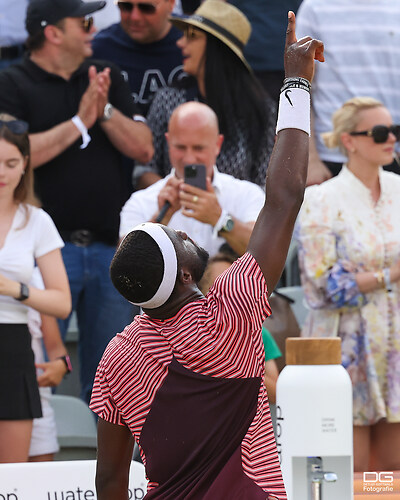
349	235
27	235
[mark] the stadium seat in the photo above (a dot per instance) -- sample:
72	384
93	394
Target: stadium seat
76	428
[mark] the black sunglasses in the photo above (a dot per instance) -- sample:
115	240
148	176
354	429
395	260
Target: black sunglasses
145	8
380	133
191	33
87	24
15	126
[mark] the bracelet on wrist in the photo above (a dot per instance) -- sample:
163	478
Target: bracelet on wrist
297	80
83	131
139	118
379	278
386	278
295	85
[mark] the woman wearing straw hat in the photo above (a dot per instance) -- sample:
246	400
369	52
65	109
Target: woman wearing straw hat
212	46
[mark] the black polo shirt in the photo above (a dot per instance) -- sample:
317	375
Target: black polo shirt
80	188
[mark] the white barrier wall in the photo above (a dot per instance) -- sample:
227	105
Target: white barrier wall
72	480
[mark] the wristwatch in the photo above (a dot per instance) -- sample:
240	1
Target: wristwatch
227	224
107	113
24	292
67	362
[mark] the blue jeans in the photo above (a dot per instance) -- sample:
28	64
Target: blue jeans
101	311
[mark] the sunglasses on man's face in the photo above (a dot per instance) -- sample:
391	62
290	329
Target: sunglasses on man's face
87	24
145	8
15	126
380	133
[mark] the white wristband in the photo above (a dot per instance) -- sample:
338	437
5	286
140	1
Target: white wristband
139	118
220	224
294	110
83	130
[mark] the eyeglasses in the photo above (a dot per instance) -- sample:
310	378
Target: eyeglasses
145	8
380	133
15	126
190	32
87	24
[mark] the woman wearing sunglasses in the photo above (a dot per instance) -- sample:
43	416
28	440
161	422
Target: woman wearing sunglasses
27	236
349	250
212	48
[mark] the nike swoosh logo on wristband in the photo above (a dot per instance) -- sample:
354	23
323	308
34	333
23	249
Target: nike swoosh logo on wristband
288	98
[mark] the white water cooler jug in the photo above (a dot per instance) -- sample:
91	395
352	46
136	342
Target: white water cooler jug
314	427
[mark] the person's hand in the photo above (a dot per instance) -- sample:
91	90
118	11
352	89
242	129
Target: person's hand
199	204
170	193
300	54
89	103
53	373
103	87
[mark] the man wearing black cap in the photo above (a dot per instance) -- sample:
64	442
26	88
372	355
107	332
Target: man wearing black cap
80	116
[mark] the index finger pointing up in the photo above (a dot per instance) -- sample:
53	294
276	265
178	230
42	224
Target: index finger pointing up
291	29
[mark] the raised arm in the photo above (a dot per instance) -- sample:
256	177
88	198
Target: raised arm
287	170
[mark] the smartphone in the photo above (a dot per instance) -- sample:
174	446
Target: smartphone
195	175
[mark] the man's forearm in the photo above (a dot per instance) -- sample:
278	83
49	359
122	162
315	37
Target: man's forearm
239	237
133	139
47	145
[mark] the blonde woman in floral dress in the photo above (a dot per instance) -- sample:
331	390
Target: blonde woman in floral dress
349	248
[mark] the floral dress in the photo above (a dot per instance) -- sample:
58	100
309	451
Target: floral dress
342	231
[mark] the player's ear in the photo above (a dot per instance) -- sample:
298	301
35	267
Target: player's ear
185	276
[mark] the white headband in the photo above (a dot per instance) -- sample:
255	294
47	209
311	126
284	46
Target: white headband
170	265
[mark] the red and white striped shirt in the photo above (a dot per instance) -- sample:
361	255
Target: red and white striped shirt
200	371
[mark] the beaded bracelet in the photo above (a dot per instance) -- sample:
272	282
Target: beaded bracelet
298	80
295	85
